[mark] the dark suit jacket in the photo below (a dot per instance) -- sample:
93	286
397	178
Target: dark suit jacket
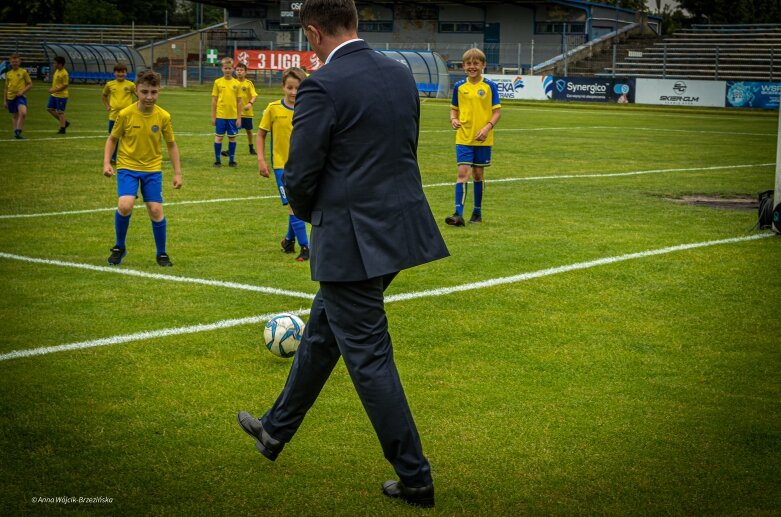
353	173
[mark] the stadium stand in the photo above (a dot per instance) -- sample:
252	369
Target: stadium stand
726	52
27	40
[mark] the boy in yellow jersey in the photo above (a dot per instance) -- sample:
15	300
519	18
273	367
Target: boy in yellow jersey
139	128
117	95
17	83
59	93
474	111
226	112
248	96
278	120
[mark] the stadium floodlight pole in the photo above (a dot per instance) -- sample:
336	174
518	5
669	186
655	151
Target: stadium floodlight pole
777	192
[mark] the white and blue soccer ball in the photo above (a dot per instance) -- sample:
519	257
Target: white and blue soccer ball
282	334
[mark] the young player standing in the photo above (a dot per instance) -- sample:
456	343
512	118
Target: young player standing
59	93
474	112
139	129
117	95
278	120
248	95
226	112
17	83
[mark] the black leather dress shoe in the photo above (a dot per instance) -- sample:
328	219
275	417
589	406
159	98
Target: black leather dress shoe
422	496
268	446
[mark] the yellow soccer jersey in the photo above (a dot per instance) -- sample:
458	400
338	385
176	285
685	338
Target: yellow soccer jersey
140	138
247	92
475	104
278	120
16	80
60	78
120	96
226	91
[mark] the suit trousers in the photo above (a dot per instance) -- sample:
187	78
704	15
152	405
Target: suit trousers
348	319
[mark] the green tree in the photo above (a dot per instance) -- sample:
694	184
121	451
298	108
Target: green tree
637	5
32	11
733	11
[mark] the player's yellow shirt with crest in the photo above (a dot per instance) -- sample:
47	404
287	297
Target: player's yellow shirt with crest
140	135
120	96
227	93
16	80
475	104
278	120
247	92
60	78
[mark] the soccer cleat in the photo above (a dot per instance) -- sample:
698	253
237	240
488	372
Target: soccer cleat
288	246
476	218
164	260
19	137
304	255
117	254
217	165
61	131
252	151
67	123
224	153
233	164
455	220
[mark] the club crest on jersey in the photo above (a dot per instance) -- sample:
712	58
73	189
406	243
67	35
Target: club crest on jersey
481	93
155	128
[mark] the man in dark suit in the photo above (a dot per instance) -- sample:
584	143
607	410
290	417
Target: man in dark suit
353	174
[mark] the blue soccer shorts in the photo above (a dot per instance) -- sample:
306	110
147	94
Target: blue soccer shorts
280	185
13	104
246	123
57	103
225	126
151	185
473	155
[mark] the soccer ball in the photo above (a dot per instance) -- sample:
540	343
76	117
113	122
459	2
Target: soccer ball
282	334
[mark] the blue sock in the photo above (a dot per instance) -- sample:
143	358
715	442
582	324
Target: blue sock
461	190
299	227
159	231
478	196
291	235
217	151
121	224
231	151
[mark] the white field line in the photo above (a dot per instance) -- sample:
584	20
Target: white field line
390	299
158	276
430	185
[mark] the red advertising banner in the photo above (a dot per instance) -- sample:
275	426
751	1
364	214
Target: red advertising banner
277	59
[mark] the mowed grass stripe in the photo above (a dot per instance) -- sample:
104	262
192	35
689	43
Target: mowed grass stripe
430	185
140	336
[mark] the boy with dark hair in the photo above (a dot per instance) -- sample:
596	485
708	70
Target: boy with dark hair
17	83
139	129
59	94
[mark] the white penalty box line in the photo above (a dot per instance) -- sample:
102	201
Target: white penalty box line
430	185
140	336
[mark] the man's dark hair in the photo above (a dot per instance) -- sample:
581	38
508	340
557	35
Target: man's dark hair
148	77
59	60
330	16
120	67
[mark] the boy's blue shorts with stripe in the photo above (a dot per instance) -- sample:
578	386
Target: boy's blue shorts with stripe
473	155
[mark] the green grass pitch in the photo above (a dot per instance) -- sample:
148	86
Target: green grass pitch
574	355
